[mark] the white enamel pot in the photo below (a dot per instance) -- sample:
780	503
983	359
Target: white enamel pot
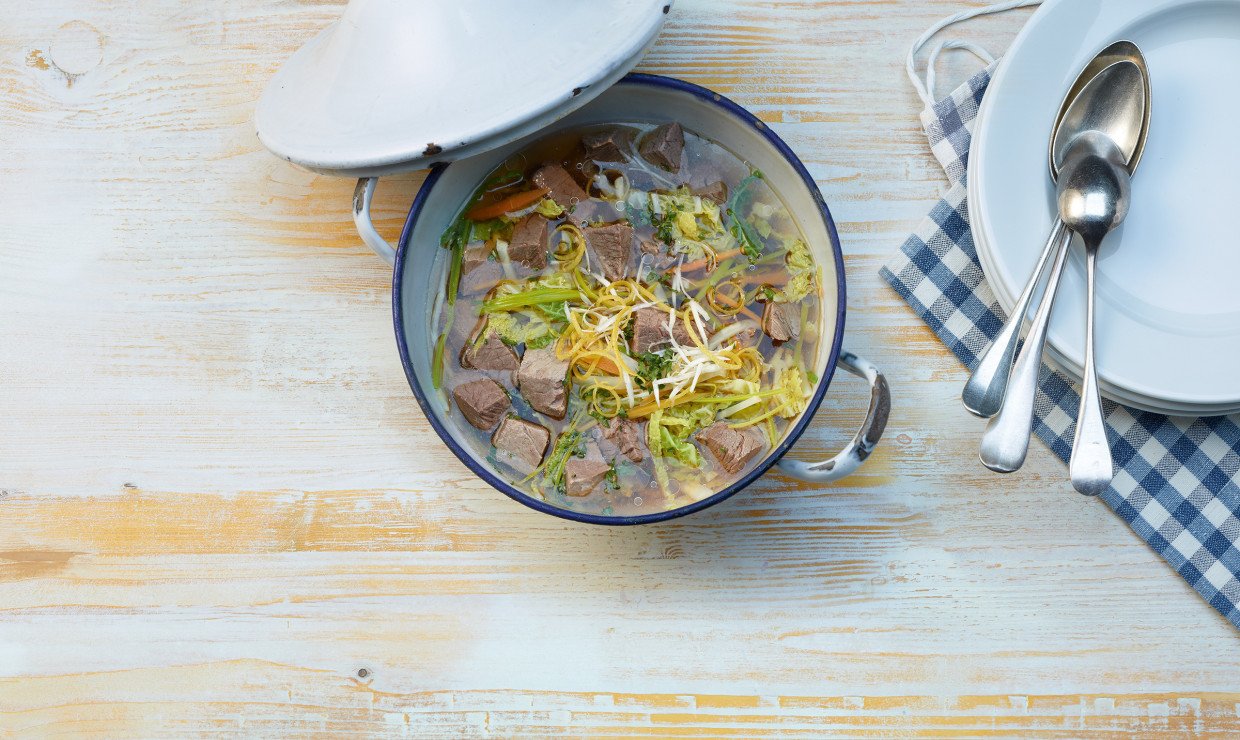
421	269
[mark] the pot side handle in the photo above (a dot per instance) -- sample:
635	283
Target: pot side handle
856	452
363	194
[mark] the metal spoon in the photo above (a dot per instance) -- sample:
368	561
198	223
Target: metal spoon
1122	87
1094	195
1093	102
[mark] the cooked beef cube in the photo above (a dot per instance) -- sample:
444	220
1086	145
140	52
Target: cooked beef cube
529	242
608	145
482	402
731	447
609	248
543	380
475	256
664	145
592	211
486	351
480	279
716	192
520	444
563	189
624	435
778	322
583	474
650	330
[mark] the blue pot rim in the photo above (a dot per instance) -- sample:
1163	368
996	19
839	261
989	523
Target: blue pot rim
727	106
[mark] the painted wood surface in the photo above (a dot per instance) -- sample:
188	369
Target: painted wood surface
222	513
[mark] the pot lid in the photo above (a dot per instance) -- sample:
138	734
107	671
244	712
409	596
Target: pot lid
396	86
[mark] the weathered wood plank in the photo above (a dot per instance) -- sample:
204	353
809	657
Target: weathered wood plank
220	502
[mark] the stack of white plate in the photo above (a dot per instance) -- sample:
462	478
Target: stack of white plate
1168	313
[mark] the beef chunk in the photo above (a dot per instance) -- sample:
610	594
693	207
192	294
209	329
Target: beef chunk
482	402
624	435
593	211
529	242
778	322
542	379
475	256
609	248
561	186
731	447
486	351
480	279
664	145
716	192
583	474
521	444
608	145
650	330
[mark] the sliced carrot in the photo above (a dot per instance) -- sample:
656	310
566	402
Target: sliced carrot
607	366
704	262
745	311
775	279
518	202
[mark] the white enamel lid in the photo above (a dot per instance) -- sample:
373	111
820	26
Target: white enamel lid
396	86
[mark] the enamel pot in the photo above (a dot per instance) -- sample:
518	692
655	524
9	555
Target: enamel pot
421	268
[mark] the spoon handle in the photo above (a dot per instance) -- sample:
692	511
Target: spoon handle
1090	466
984	393
1006	441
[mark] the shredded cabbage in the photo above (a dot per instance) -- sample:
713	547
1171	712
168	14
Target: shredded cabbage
549	208
534	332
688	220
801	272
793	386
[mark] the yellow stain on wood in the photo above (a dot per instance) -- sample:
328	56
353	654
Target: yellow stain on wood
36	59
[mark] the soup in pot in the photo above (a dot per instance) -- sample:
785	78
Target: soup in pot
630	322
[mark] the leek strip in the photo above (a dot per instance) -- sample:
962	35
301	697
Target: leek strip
437	361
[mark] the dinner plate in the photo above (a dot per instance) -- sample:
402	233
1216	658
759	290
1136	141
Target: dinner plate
1168	312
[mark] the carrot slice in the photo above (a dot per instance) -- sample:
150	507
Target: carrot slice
704	262
518	202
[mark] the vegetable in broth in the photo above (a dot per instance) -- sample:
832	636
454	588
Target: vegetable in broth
631	319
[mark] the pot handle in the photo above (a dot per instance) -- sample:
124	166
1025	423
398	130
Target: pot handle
855	453
363	194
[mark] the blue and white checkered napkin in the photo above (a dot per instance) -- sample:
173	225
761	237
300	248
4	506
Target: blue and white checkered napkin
1177	480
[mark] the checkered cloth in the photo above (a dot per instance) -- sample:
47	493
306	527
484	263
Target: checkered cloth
1176	484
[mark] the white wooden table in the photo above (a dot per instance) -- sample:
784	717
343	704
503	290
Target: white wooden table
222	512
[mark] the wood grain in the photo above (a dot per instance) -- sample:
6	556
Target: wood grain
223	513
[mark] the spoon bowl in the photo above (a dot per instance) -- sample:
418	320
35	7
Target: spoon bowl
1094	189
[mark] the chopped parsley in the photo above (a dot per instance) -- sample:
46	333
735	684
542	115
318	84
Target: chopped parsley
652	366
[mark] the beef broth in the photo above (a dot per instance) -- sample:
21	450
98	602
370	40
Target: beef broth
635	319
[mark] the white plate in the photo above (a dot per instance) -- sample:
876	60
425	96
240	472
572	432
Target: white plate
1168	305
397	85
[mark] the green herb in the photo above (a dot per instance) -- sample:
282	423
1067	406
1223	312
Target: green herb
613	478
540	342
813	377
665	226
637	216
746	234
652	366
555	311
566	446
502	180
529	298
484	230
455	239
